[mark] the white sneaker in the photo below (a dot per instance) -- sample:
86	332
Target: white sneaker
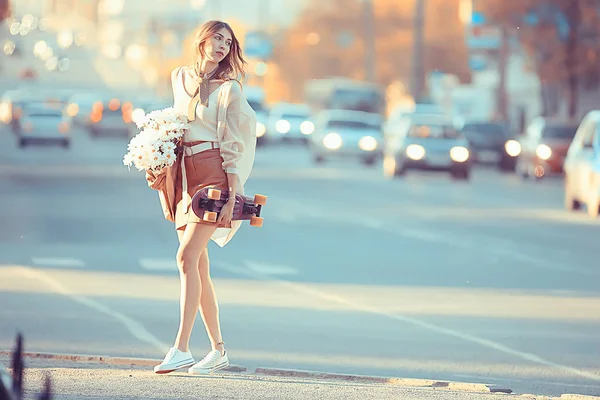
174	360
213	361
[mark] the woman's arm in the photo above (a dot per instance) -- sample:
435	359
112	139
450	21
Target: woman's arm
233	180
232	142
232	147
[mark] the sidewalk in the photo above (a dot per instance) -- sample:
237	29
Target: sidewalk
110	378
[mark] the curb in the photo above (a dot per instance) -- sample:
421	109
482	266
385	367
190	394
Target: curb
146	362
292	373
407	382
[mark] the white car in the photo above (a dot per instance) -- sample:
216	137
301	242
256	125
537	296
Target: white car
349	134
42	124
582	167
290	122
426	142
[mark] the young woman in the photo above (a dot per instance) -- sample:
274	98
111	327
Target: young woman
217	152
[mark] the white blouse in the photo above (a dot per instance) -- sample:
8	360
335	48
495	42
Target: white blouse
205	126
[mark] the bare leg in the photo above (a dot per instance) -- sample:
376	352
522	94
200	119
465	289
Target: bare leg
192	244
209	308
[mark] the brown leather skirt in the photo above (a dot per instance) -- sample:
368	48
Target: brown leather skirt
204	169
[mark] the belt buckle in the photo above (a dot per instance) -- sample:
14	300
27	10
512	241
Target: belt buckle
188	151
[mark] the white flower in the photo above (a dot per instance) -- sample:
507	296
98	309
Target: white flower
153	147
168	147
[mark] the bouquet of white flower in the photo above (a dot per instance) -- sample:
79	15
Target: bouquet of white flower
154	147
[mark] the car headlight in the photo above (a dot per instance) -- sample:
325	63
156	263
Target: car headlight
282	126
415	152
459	154
543	151
307	128
367	143
512	148
332	141
261	129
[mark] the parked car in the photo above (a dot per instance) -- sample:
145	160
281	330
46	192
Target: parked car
544	147
582	167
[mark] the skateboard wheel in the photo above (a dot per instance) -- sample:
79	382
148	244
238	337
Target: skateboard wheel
209	216
256	221
214	194
260	200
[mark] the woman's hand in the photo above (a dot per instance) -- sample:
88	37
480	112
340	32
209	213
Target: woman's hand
226	214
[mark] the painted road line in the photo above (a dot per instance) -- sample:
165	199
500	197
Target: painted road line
58	262
158	264
136	329
271	269
463	336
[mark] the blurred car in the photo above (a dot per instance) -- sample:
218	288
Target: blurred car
427	142
347	134
397	116
582	167
262	116
13	103
80	108
27	73
544	147
41	124
290	122
491	143
111	117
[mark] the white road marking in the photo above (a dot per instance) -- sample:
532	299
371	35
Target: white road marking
271	269
414	321
135	328
494	246
483	378
158	264
58	262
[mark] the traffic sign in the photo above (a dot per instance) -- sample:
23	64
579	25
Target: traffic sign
258	44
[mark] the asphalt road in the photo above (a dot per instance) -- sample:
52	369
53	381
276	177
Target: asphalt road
486	281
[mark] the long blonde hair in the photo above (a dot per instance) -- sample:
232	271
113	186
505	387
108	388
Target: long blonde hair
232	66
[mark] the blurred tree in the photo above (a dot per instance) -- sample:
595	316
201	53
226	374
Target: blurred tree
562	39
327	40
4	9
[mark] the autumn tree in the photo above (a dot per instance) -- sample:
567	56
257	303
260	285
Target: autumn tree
561	38
328	40
4	9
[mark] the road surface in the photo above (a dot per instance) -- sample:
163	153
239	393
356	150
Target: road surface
424	277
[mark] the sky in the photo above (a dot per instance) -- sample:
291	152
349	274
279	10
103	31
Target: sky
251	12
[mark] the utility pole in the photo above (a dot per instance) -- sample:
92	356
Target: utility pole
503	59
418	66
369	39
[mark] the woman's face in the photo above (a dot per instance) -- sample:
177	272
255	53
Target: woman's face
218	45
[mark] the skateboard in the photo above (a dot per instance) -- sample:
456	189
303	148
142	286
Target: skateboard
207	204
